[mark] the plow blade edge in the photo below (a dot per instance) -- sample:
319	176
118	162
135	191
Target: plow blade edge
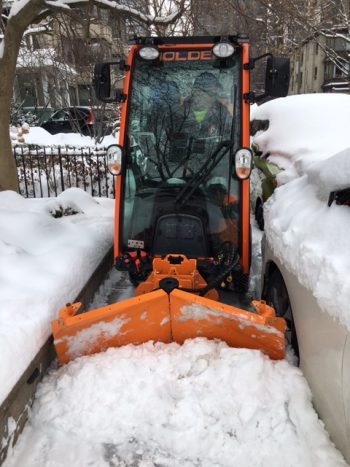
160	317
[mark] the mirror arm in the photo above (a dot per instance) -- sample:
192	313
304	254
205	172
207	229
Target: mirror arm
123	66
249	97
119	96
251	64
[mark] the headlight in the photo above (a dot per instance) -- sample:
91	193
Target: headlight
243	163
114	159
149	53
223	50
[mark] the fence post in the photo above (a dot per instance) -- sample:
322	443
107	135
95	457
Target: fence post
61	168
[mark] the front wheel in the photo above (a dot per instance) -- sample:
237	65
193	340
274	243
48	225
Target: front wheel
276	295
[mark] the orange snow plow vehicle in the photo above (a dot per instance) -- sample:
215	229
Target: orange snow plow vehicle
182	228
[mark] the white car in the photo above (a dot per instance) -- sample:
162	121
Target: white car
323	346
306	245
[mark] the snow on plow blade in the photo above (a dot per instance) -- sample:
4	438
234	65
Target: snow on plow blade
166	318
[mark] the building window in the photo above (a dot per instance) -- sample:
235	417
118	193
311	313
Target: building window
315	72
84	95
302	58
316	48
300	79
72	95
332	71
338	72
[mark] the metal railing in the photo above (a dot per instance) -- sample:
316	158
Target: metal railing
47	171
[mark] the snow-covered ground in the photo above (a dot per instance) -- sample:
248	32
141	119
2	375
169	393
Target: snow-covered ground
201	404
41	137
44	263
308	136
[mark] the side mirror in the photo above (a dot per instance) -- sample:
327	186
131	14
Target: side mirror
277	76
102	82
115	159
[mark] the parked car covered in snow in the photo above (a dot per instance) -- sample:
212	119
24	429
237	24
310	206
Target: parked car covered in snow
306	243
85	120
71	120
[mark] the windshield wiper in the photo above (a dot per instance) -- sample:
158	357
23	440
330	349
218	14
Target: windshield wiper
209	164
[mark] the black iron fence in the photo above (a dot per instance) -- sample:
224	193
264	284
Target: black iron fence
47	171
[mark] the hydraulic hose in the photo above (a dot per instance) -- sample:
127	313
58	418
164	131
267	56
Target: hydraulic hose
231	262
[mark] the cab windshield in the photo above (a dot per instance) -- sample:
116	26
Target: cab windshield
181	110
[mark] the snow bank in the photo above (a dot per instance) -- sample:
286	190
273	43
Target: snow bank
310	238
332	174
42	260
41	137
200	404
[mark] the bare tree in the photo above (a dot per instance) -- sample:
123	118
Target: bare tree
288	23
15	20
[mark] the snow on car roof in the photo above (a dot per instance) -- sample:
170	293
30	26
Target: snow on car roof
303	129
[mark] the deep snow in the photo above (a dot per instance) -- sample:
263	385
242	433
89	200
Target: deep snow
200	404
44	263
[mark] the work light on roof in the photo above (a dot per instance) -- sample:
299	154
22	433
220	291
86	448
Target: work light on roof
149	53
223	50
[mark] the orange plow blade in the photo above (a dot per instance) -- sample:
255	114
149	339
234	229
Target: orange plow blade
133	321
157	316
193	316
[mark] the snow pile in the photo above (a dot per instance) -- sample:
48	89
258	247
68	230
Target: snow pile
44	263
200	404
41	137
309	237
303	129
17	134
332	174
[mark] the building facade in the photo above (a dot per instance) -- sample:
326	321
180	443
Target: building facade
55	64
319	65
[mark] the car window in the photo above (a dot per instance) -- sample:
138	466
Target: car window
77	113
61	115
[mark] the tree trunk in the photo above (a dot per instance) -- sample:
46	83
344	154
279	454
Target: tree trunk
15	28
8	172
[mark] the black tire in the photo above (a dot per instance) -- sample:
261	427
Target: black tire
276	295
259	213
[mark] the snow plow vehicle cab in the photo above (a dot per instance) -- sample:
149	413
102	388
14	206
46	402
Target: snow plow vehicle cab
182	167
